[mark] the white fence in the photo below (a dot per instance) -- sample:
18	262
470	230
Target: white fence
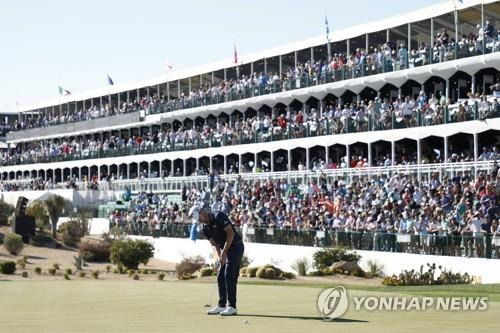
283	256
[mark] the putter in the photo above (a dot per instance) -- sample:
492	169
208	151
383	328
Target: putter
216	287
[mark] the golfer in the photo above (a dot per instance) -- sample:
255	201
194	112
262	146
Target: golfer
228	247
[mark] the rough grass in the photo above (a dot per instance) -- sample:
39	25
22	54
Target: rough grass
159	306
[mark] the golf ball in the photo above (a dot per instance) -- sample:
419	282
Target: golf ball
246	321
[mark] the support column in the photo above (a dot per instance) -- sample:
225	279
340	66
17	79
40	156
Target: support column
327	156
419	152
210	164
280	67
473	86
197	165
295	58
445	157
348	47
370	154
308	160
447	89
393	152
348	156
476	145
272	161
240	162
255	161
289	160
399	92
160	169
184	167
225	164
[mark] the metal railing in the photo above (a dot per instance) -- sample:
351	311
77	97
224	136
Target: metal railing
327	126
447	243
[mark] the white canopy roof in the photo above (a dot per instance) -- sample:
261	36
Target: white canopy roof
337	35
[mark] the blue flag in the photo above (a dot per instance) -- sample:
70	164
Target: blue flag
110	81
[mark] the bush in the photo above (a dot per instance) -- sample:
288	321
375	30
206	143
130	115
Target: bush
427	277
38	270
252	271
73	231
130	253
243	271
288	275
13	243
68	271
56	266
145	271
52	271
301	266
97	251
205	271
7	267
81	274
95	274
161	276
6	210
21	263
375	268
66	276
108	268
40	240
317	273
324	258
131	272
116	271
136	277
24	274
188	266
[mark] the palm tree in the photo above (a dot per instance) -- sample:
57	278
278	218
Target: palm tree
55	206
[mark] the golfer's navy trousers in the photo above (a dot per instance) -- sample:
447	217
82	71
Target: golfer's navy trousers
227	277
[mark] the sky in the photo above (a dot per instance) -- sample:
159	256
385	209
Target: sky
75	44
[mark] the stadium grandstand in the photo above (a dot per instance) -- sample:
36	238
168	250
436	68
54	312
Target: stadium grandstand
384	137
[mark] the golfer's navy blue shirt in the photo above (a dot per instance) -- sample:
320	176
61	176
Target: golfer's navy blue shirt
215	229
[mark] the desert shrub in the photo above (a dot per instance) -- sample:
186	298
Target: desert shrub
427	277
6	210
24	274
95	274
72	231
40	239
145	271
252	271
324	258
245	261
261	273
68	271
136	277
375	268
56	266
81	274
130	272
161	276
270	273
205	271
188	266
130	253
7	267
38	210
38	270
21	262
116	271
13	243
301	266
317	273
108	268
243	271
66	276
95	250
153	272
52	271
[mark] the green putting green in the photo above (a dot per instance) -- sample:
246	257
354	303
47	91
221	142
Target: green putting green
166	306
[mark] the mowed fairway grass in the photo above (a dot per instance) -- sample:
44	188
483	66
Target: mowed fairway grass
166	306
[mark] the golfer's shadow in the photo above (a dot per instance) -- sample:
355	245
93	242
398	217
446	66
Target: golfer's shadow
336	320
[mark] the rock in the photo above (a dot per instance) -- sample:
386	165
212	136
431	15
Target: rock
345	266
